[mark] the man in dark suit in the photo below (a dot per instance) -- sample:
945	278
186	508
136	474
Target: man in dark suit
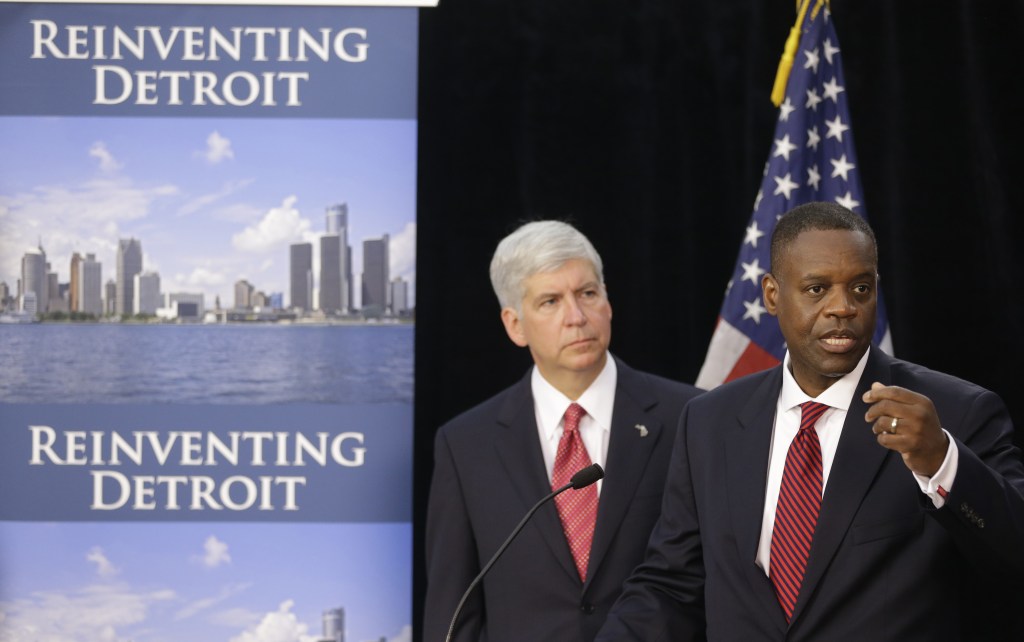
495	461
919	514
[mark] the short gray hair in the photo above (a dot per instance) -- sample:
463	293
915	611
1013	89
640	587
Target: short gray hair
540	246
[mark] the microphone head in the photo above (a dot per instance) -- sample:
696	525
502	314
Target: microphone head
587	476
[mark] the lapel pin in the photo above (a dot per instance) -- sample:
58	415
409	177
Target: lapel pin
642	429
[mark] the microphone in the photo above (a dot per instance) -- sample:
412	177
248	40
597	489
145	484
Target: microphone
583	478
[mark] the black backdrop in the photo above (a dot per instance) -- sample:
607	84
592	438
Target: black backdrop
647	123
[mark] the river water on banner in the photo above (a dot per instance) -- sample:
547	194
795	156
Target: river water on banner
206	364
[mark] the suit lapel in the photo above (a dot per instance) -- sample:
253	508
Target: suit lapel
747	445
628	454
858	458
518	449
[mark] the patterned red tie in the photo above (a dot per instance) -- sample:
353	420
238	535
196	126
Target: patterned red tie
797	510
577	508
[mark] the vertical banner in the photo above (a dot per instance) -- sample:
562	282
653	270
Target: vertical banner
207	288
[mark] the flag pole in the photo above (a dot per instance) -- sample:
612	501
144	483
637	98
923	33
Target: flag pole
788	53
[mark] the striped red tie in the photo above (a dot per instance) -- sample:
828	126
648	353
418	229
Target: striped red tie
797	510
577	508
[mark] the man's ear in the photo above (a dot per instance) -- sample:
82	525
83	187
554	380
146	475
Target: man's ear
513	327
770	289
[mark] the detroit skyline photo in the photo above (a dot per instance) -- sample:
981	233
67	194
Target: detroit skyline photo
222	201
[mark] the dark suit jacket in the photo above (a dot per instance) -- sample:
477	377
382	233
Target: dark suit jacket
489	470
884	563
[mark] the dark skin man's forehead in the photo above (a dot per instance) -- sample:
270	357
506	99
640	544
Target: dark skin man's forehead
819	249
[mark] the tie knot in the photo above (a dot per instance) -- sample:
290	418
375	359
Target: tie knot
810	413
572	417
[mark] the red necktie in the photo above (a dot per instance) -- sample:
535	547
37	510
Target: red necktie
577	508
797	510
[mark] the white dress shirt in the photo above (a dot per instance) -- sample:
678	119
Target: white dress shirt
595	427
838	396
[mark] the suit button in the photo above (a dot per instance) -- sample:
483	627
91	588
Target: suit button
587	608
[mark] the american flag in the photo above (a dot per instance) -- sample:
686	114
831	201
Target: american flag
812	159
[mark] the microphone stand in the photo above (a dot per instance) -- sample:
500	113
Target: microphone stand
579	480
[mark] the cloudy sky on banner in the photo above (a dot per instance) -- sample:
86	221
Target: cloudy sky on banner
213	201
212	582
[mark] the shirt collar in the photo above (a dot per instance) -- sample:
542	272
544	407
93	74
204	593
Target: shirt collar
598	400
838	395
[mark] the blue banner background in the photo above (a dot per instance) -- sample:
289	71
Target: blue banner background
335	89
377	491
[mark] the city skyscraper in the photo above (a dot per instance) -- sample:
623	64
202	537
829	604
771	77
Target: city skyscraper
89	292
243	295
147	293
33	279
337	218
110	297
76	261
129	263
336	262
399	296
375	275
349	305
333	290
53	288
301	276
28	303
334	625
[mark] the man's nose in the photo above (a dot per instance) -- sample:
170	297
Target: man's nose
841	303
574	314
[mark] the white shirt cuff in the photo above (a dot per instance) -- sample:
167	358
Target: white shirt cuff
939	484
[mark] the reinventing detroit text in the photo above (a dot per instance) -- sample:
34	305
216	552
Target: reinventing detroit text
114	490
278	46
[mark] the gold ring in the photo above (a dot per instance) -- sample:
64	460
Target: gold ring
892	426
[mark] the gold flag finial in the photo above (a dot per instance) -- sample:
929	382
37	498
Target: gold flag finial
786	62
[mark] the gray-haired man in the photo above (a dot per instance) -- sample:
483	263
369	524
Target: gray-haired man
492	463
